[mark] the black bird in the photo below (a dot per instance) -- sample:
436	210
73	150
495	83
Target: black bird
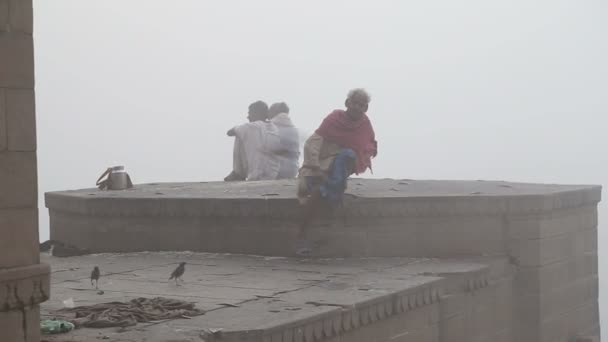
178	272
95	276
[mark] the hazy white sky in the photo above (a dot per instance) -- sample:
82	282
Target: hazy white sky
512	90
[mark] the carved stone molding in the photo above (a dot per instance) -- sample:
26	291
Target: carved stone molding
24	286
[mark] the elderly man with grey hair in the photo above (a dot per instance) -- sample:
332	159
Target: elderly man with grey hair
344	144
288	150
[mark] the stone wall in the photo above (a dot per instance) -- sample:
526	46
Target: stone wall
24	282
557	278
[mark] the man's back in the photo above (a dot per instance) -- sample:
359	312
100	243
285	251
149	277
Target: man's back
288	150
258	139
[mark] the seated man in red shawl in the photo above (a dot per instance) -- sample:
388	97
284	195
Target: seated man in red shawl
344	144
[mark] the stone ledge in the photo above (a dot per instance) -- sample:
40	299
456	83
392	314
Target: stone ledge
24	286
366	198
346	318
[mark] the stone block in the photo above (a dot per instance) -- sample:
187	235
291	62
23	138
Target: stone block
4	16
16	60
402	337
589	240
448	237
33	324
427	334
18	180
588	339
20	16
383	243
482	322
453	305
16	328
582	319
534	280
502	336
553	223
19	243
525	330
554	329
3	128
503	306
421	317
20	119
10	325
429	236
453	329
549	304
539	252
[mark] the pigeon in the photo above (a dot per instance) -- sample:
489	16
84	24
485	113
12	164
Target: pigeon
178	272
95	276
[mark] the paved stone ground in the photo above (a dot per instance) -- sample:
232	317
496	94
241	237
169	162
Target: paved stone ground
238	292
372	188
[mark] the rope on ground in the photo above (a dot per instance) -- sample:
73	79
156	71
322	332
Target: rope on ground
120	314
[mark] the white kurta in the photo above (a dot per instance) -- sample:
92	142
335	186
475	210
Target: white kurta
288	150
254	145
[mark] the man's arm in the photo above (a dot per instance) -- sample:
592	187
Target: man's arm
231	132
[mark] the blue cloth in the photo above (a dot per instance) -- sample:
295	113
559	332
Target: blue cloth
335	185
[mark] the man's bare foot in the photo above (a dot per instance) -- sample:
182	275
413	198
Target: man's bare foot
234	177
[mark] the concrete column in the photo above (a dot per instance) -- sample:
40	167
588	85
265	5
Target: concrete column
24	282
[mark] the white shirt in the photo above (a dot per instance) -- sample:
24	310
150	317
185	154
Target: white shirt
288	150
259	139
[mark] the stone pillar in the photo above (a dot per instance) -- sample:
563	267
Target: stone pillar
24	282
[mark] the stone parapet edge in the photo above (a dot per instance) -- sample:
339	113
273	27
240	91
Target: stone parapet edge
437	206
346	318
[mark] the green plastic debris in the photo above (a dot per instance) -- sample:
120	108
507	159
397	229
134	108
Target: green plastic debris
51	326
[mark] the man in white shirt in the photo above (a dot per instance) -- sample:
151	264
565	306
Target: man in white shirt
288	151
253	158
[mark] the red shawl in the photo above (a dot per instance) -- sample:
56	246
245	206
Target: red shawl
359	136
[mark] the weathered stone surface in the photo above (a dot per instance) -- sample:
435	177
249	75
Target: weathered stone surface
19	242
3	131
366	198
20	16
277	299
4	26
16	16
453	329
16	60
20	119
534	280
557	222
18	180
10	323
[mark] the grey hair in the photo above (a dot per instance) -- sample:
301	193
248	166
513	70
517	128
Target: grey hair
359	92
279	107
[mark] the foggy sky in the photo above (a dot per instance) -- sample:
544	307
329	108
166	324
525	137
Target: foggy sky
498	90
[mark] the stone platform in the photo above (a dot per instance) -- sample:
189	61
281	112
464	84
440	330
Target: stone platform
259	299
548	234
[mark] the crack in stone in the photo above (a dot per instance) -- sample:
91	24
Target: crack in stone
22	308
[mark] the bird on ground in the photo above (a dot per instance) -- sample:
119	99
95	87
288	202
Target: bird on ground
95	276
178	272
